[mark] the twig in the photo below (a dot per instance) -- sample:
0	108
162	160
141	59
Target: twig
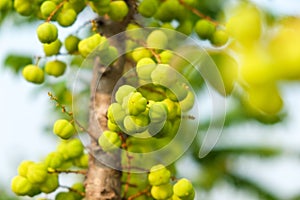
73	190
143	192
67	171
156	55
198	13
58	104
134	167
55	10
188	117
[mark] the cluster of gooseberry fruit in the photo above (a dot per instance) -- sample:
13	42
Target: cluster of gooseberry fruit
43	177
65	14
159	178
154	109
48	35
182	11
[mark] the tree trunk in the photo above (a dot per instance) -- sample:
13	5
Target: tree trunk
103	182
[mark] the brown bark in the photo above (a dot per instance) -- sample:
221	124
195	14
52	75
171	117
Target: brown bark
103	182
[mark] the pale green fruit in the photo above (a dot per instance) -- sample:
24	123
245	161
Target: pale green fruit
71	43
37	173
82	161
122	92
5	4
54	160
136	124
64	129
144	68
75	148
47	8
23	167
187	103
24	7
113	126
115	113
219	38
184	189
117	10
33	73
52	48
136	103
158	112
50	185
55	68
80	188
109	141
168	10
172	108
166	56
186	27
159	175
177	92
66	17
148	8
164	75
65	196
88	45
157	39
21	186
47	32
162	192
204	28
139	53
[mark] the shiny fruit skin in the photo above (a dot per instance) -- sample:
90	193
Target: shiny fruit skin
34	74
118	10
204	28
219	38
66	17
63	128
71	43
47	32
52	48
55	68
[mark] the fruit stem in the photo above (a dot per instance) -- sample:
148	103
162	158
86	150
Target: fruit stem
58	104
37	60
67	171
143	192
55	10
73	190
157	56
198	13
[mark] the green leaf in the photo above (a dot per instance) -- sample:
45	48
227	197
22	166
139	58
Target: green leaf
244	183
16	62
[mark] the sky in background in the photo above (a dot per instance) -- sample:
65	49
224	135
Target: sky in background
23	115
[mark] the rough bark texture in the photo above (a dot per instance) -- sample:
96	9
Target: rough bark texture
103	182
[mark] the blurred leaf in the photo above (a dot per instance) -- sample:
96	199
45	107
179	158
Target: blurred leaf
221	154
241	182
240	114
76	61
211	8
5	196
250	150
16	62
296	198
